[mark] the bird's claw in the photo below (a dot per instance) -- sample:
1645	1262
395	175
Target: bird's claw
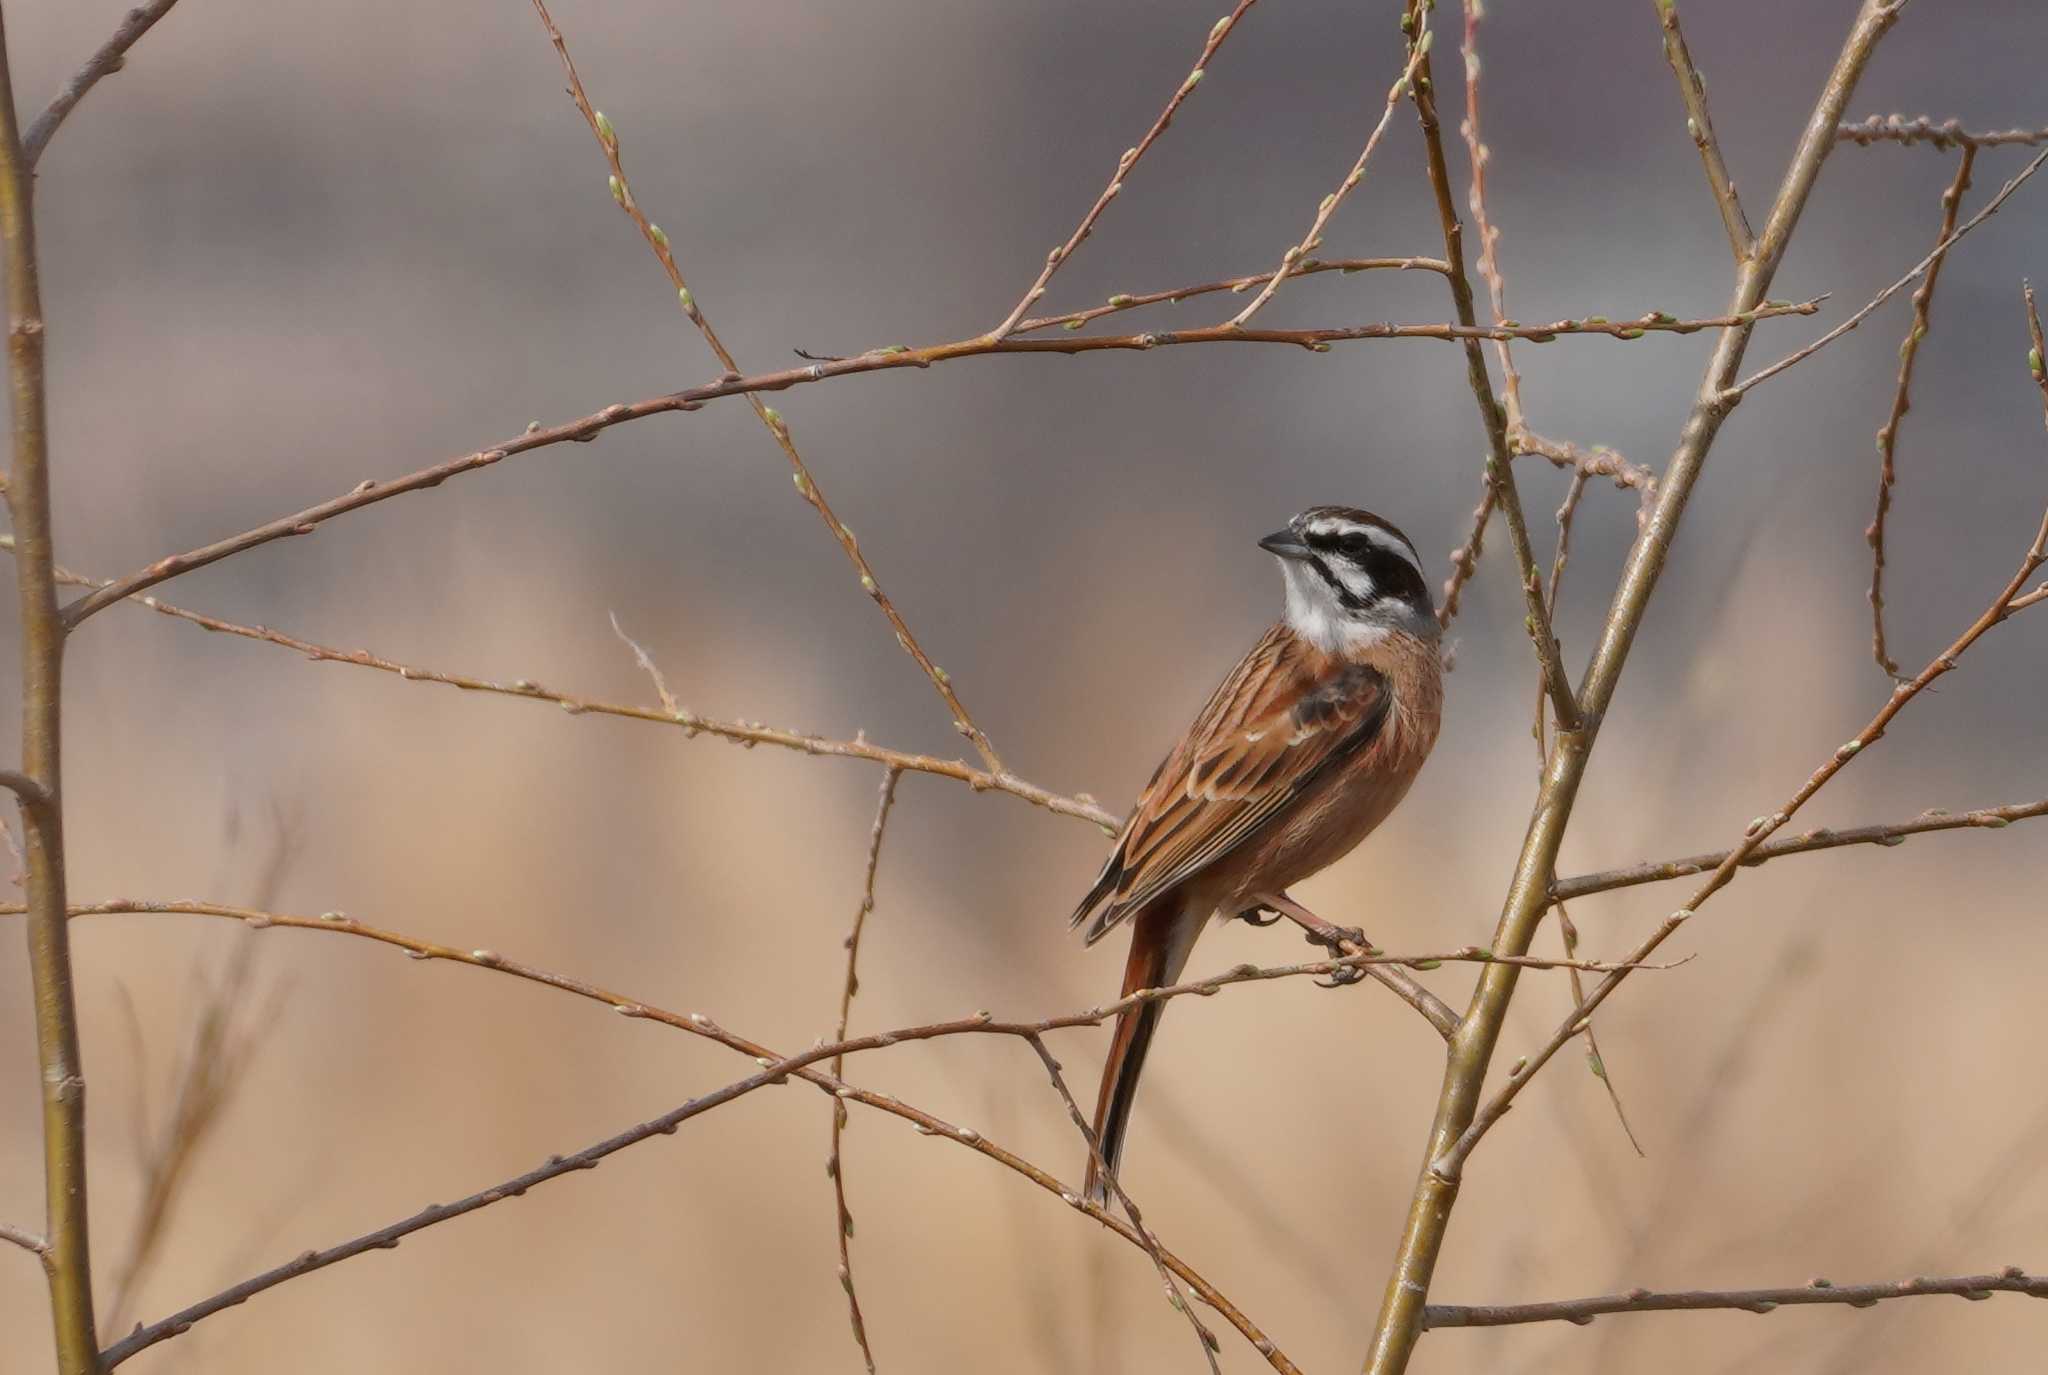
1252	916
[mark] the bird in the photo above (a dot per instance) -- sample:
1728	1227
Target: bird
1308	745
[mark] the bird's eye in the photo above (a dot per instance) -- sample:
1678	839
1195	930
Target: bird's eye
1355	546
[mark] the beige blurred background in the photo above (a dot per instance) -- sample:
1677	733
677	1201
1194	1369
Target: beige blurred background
295	246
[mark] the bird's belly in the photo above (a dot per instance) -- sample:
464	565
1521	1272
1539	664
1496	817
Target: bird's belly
1321	831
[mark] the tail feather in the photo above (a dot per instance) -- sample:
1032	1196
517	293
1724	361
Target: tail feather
1161	939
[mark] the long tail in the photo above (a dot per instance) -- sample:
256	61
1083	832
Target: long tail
1161	938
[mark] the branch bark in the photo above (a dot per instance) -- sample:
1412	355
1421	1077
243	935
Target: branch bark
67	1256
2011	1280
1528	897
111	56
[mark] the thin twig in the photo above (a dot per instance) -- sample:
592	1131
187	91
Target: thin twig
2011	1280
1595	1061
834	1162
1888	434
1950	133
585	428
110	58
1451	1160
1499	463
1824	838
1700	126
778	428
1058	257
1735	392
1465	558
1307	267
27	1241
68	1260
743	733
1174	1297
1313	239
1488	258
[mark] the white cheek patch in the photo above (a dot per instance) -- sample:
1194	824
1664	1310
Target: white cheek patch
1312	612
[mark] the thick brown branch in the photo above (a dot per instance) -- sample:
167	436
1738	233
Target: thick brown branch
774	1070
1823	838
110	58
371	491
1950	133
1700	126
1058	257
2011	1280
1888	434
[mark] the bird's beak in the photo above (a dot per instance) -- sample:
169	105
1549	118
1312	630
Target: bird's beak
1284	543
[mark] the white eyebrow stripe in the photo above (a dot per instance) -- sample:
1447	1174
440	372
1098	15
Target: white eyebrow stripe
1392	543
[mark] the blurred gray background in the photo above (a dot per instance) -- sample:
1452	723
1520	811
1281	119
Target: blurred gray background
296	246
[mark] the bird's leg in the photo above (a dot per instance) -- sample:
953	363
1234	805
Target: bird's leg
1339	940
1258	916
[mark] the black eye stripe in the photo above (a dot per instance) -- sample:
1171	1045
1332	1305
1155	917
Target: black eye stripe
1350	600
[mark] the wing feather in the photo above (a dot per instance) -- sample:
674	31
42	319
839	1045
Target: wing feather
1283	716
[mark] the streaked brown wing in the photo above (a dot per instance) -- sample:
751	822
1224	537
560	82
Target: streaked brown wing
1285	714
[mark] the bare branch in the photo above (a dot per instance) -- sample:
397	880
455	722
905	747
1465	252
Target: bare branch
1313	239
1700	126
1058	257
67	1257
834	1164
1947	134
1595	1061
1499	464
2011	1280
1528	896
778	428
774	1070
110	58
27	1241
1150	1243
1824	838
1308	267
28	792
744	733
1734	393
1888	434
1449	1162
371	491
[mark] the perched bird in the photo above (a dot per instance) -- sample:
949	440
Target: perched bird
1306	747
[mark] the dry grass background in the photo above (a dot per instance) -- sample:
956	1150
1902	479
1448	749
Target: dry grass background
293	247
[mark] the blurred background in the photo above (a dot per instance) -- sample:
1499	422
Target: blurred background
293	247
